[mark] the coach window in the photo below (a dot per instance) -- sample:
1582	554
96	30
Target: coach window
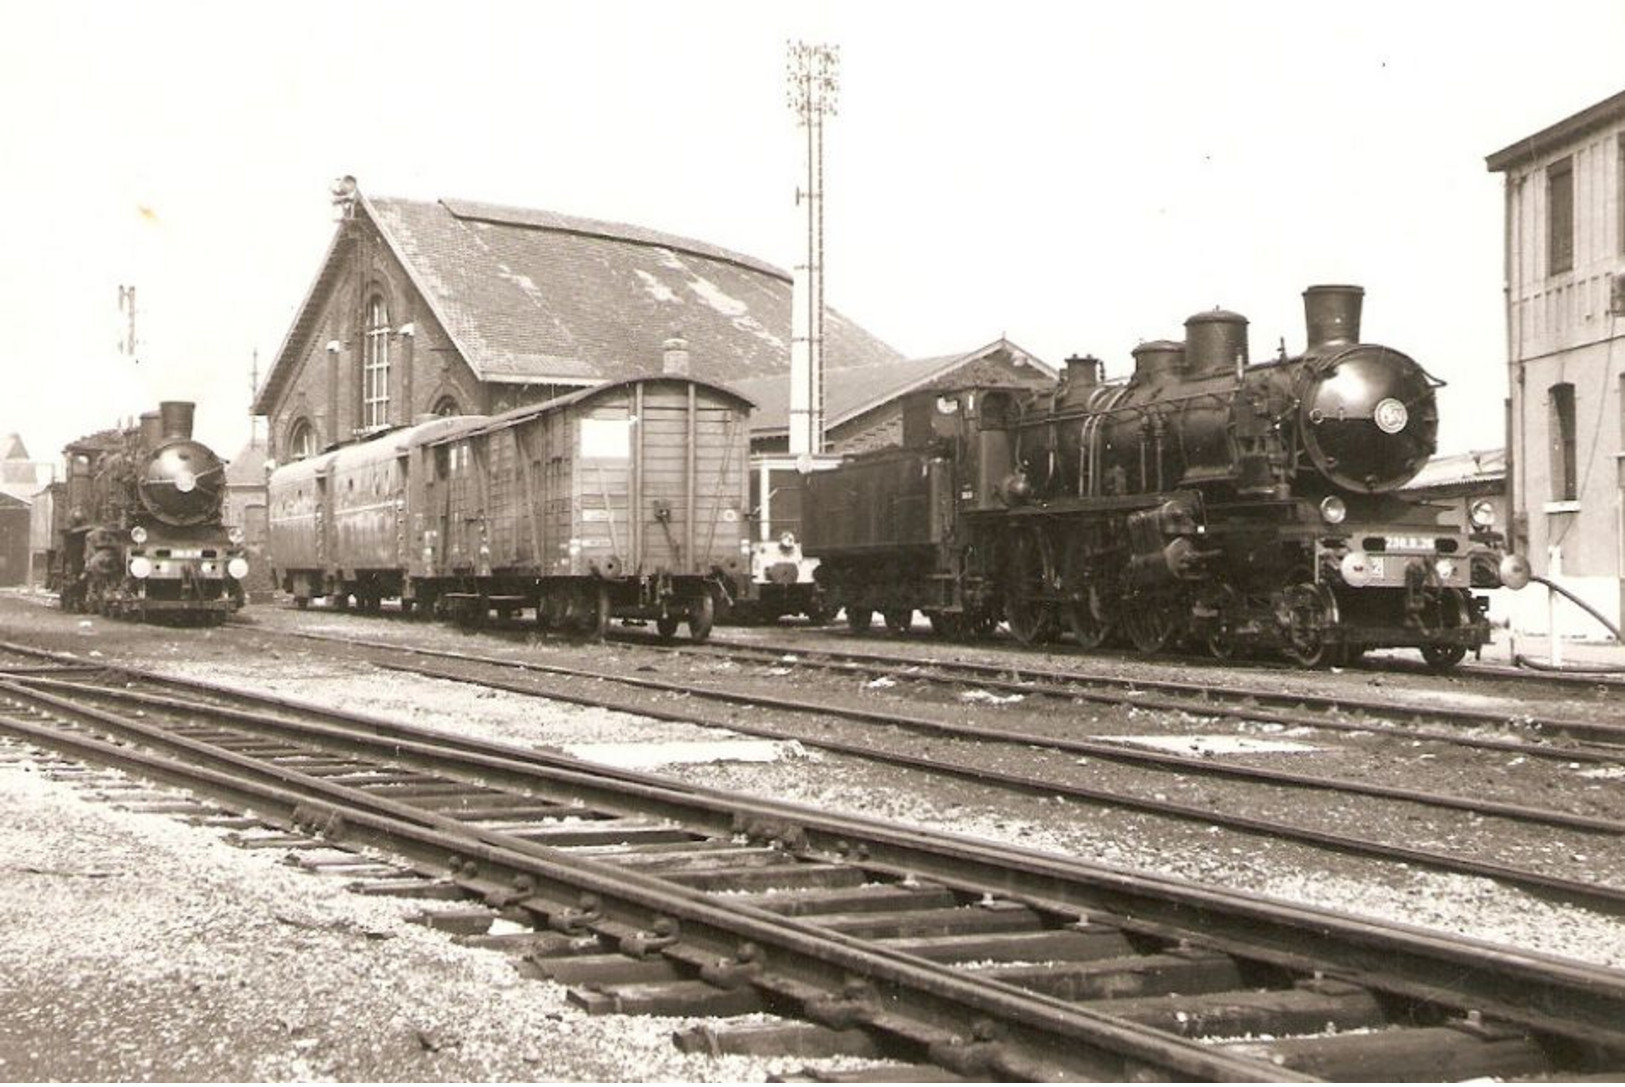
1560	217
375	366
1561	426
301	441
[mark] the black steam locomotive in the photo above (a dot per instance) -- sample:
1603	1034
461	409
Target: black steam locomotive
1242	507
137	527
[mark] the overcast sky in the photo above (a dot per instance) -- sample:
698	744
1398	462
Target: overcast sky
1077	177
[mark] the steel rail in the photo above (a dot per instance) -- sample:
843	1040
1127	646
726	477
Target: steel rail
1041	1037
1116	752
1601	897
1573	1000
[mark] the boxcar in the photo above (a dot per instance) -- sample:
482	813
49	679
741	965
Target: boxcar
626	500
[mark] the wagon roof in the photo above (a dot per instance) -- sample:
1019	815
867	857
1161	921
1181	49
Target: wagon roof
559	403
538	297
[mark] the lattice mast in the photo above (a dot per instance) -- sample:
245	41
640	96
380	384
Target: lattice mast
812	86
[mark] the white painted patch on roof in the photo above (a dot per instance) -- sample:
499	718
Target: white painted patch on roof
1216	745
643	756
656	289
718	299
671	260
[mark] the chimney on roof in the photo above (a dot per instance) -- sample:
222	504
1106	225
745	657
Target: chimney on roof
674	356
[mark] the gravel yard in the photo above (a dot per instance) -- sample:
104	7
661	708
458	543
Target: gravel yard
248	969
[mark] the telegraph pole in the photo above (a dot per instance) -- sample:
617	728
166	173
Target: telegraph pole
126	306
812	85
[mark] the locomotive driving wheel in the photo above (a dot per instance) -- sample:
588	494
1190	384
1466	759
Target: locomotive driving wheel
1085	610
1152	621
947	624
898	620
1311	614
1029	615
858	619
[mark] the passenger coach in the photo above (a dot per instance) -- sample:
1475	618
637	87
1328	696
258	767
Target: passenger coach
626	500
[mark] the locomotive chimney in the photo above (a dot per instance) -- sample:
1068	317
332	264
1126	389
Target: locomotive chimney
176	417
674	357
152	430
1215	342
1158	359
1331	313
1082	371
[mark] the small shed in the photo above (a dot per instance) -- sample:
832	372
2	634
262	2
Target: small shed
14	540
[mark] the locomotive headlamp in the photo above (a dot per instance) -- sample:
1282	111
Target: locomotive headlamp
1482	513
237	568
1391	415
185	481
140	566
1355	568
1514	571
1445	568
138	534
787	542
1333	509
235	535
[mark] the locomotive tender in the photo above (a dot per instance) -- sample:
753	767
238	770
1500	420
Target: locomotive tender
137	530
624	500
1240	506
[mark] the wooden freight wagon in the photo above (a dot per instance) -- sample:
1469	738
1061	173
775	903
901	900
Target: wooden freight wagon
626	500
339	522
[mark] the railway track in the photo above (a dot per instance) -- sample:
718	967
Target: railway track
970	752
949	955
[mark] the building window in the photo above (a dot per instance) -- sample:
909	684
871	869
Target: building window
301	440
447	405
1561	427
1619	191
1560	216
375	367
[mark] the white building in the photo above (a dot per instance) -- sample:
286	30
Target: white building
1565	314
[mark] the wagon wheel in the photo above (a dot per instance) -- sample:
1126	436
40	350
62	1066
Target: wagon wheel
981	623
858	619
898	620
1152	622
1311	617
667	626
592	612
947	624
701	614
1025	610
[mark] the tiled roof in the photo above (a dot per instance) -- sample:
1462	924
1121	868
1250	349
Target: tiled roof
536	296
849	391
1455	469
247	468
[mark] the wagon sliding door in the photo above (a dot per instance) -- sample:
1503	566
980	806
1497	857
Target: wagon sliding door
690	476
606	440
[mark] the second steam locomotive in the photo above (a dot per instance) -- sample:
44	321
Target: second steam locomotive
1239	506
138	531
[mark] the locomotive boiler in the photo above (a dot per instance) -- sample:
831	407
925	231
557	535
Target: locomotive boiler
1242	506
138	530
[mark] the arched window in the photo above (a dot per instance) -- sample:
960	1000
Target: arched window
301	440
375	366
447	405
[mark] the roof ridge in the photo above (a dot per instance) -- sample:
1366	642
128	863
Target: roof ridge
544	219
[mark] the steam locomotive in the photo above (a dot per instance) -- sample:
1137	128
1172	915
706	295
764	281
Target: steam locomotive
137	529
1242	507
